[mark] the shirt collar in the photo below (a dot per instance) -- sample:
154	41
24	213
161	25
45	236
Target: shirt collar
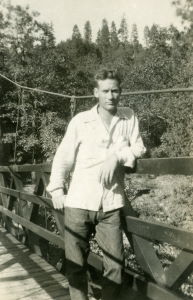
94	114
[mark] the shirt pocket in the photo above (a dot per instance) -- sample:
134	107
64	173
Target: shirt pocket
121	136
93	144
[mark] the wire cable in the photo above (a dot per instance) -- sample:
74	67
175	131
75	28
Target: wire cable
34	89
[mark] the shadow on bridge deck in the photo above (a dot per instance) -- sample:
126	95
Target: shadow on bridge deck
25	275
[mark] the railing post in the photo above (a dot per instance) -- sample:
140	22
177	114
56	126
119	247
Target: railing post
73	106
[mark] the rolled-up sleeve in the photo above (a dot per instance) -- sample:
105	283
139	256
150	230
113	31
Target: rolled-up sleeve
128	154
64	158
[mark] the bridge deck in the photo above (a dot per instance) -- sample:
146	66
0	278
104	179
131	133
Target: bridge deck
25	275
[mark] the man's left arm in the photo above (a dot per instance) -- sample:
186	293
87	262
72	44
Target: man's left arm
125	155
128	153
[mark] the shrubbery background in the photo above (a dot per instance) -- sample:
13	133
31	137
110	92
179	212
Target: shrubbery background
30	56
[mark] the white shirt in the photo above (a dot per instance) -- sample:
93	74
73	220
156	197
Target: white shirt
84	148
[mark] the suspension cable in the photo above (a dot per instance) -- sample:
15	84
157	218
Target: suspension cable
124	93
34	89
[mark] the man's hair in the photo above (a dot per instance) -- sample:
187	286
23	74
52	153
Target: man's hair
107	74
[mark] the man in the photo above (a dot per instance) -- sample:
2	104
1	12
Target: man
97	144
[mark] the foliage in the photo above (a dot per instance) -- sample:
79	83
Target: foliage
30	56
123	31
88	32
53	126
166	199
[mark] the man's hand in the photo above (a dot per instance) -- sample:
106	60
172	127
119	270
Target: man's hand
58	199
108	169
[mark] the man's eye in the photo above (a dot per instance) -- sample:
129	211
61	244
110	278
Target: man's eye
113	91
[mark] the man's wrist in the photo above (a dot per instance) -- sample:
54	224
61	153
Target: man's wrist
126	157
57	193
119	157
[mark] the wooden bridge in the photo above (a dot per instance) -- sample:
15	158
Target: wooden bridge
31	228
25	275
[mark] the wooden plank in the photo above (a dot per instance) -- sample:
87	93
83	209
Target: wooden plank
156	292
180	269
23	208
39	190
160	232
29	276
4	198
40	183
6	237
6	250
57	240
130	294
95	261
20	257
40	200
18	270
148	260
51	292
26	168
32	271
5	201
9	191
16	262
126	211
163	166
19	205
30	289
59	218
158	166
149	289
58	214
26	268
27	287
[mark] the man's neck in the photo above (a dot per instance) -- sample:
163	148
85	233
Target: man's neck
106	116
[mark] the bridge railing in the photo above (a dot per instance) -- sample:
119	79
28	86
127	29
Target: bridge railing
25	209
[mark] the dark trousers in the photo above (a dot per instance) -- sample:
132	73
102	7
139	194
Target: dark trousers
78	228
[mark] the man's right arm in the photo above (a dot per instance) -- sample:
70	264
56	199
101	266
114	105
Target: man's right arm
63	163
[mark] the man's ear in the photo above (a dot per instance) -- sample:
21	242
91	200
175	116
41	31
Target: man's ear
96	94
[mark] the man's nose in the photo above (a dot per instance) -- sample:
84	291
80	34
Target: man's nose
110	95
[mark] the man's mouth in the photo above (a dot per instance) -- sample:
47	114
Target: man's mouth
110	103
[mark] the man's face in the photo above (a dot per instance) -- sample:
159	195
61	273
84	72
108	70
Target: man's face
108	92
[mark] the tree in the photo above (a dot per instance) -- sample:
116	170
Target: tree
123	31
114	36
146	36
30	56
76	35
29	45
134	35
134	39
103	38
184	9
87	32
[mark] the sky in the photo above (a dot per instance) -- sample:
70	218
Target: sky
64	14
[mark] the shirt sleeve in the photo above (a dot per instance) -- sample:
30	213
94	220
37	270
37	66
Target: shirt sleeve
64	158
128	154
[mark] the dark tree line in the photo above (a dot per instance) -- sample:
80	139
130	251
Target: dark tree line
30	55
